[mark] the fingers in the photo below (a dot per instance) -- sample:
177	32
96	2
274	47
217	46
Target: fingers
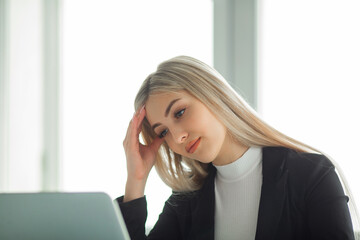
156	143
137	121
132	136
128	131
141	117
134	129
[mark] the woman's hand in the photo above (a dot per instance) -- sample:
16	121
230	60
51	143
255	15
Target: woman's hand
139	158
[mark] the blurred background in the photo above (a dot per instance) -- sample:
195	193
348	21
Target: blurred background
70	69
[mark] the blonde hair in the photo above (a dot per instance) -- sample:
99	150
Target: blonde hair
242	122
207	85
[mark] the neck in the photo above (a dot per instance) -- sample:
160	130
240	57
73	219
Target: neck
229	152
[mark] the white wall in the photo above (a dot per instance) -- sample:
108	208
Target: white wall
24	93
109	49
309	76
308	81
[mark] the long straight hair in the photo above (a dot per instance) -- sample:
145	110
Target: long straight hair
185	73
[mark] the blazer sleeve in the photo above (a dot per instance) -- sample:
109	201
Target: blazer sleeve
135	214
327	209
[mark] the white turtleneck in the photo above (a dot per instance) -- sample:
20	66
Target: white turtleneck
237	196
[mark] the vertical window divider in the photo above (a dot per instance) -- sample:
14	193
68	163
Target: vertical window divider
235	45
4	96
51	159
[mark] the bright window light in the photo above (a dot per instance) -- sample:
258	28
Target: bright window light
309	75
109	48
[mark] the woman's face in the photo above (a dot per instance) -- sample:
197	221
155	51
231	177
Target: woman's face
187	126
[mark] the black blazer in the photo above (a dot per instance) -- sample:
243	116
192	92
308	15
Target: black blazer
301	198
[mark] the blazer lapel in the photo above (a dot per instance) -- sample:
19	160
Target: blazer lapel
203	208
273	193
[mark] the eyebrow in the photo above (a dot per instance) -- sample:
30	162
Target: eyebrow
166	112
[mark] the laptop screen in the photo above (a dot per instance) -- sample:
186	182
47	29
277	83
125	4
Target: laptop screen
62	216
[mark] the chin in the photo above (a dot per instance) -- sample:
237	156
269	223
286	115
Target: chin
208	159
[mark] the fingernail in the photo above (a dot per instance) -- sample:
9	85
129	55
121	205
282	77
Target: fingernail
142	109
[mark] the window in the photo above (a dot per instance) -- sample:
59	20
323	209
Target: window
21	96
109	48
309	75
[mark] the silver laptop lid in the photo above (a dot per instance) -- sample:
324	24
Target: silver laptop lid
53	216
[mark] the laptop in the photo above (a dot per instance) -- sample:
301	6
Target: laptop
55	216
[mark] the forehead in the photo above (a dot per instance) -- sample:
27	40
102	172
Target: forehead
157	104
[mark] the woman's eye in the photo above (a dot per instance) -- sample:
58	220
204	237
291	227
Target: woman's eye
163	133
176	115
179	113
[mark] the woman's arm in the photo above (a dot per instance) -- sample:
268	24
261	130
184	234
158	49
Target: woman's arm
135	213
139	158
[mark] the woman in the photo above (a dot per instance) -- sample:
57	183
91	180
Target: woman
233	176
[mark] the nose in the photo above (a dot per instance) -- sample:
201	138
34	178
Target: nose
180	136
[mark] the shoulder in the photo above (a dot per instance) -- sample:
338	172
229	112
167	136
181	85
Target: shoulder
303	169
292	160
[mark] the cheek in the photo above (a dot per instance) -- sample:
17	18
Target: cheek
197	122
173	146
208	123
216	132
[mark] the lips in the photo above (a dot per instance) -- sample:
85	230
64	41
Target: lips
193	145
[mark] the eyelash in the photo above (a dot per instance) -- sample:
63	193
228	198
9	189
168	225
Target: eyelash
177	115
